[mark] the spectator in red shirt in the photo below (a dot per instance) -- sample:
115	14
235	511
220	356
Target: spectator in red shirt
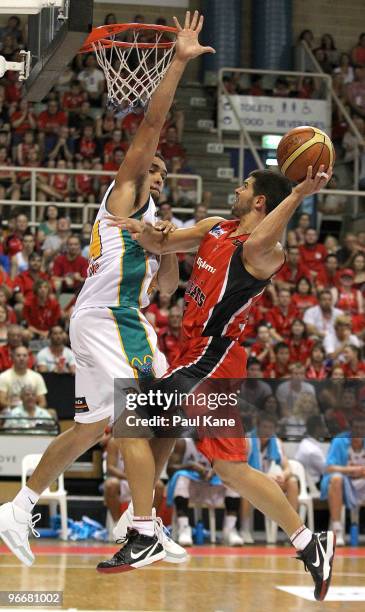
24	282
115	142
280	368
346	297
312	253
291	271
5	279
281	316
130	124
60	183
73	98
358	266
41	311
170	337
70	270
15	339
300	345
51	119
171	147
353	366
303	296
328	276
87	146
158	312
263	348
23	149
112	166
316	369
85	185
13	243
22	120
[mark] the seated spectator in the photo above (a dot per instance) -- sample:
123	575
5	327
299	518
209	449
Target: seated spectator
78	121
13	28
49	123
16	337
116	487
41	311
317	369
200	213
115	142
280	317
348	249
192	479
158	312
106	124
336	341
28	414
282	88
358	52
280	368
345	296
22	120
358	266
4	324
292	270
171	148
320	319
332	245
70	269
84	183
60	183
170	337
56	357
256	88
254	390
303	297
353	366
87	146
305	406
300	345
263	348
20	261
56	243
356	91
24	147
73	97
312	253
329	47
64	146
92	80
288	392
24	282
271	406
13	242
165	214
49	224
328	276
322	59
344	480
310	452
5	295
18	376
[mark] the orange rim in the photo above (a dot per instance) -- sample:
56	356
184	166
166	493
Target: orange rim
103	34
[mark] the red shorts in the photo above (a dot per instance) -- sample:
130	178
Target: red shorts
220	358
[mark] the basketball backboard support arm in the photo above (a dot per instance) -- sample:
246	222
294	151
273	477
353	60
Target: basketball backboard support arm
54	40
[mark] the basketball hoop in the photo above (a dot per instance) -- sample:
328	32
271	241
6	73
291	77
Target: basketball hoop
132	68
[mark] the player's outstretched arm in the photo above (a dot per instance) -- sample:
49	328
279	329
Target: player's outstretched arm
131	186
168	274
159	242
262	253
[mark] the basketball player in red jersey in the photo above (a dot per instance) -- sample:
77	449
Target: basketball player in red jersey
234	263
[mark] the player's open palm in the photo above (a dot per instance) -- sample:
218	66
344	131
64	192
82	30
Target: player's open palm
187	43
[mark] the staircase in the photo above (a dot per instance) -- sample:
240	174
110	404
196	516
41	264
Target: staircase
204	152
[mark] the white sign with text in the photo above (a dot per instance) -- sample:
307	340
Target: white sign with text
13	448
271	115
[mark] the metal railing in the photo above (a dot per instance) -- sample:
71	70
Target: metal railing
244	134
33	203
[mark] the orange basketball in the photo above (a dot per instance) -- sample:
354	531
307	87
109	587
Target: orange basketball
302	147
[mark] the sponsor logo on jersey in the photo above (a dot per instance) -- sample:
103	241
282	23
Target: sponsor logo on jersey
217	231
203	265
144	366
81	405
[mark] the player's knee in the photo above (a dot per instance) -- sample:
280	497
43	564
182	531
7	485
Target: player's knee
90	433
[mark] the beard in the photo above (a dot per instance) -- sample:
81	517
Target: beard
241	209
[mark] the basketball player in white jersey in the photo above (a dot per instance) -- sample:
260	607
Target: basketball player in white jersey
109	334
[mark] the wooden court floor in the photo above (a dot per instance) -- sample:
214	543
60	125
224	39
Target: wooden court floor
215	580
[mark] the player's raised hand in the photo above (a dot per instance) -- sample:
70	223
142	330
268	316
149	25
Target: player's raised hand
166	227
312	185
133	226
187	43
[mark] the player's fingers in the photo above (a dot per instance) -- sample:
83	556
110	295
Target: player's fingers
309	173
195	20
207	50
200	24
177	24
187	20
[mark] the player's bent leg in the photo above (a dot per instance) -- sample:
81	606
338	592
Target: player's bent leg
315	550
16	519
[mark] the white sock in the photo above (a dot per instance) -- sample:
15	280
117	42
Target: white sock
26	499
229	522
144	525
182	522
301	538
337	526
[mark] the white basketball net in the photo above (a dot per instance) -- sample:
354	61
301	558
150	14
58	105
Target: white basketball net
132	73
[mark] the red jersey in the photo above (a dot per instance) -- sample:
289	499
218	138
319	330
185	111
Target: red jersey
51	122
313	256
25	125
169	344
59	181
324	279
64	266
72	101
24	282
358	372
292	275
84	183
275	370
302	302
301	351
42	317
5	279
348	301
256	349
282	322
221	291
313	374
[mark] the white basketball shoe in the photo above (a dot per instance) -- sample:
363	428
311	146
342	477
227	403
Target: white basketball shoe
15	525
174	552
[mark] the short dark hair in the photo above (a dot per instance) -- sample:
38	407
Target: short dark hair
279	346
274	186
251	361
313	423
158	154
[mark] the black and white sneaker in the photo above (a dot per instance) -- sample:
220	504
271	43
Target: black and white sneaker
138	551
318	559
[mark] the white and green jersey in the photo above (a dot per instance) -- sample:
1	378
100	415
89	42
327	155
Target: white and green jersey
120	272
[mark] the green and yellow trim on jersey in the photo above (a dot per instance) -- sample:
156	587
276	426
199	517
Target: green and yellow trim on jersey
134	340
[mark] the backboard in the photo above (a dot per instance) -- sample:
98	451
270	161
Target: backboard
55	36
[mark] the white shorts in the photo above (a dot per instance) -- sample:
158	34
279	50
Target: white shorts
110	343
